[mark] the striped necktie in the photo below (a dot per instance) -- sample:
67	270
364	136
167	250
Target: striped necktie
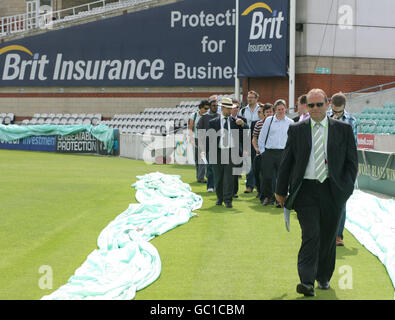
225	140
319	154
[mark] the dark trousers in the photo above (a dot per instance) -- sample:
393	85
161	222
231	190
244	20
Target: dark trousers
210	176
319	220
223	180
342	222
236	180
250	176
270	162
200	167
256	164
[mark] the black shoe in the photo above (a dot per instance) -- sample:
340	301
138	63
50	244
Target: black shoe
218	203
235	195
228	204
324	285
248	190
268	201
202	181
307	290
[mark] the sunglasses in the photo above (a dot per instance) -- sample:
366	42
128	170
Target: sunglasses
338	111
318	104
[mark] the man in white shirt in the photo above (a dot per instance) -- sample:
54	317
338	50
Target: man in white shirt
271	143
250	113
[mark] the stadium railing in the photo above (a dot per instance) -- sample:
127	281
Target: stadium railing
40	19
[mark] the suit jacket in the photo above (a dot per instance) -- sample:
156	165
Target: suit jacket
341	156
241	142
216	125
202	126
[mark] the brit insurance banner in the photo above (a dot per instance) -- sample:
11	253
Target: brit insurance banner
263	38
187	43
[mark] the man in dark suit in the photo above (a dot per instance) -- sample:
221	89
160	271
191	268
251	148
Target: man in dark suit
224	134
317	172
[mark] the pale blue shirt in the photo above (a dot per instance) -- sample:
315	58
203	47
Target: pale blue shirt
195	117
249	115
310	169
278	133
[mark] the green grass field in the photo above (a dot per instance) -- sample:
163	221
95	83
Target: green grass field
54	206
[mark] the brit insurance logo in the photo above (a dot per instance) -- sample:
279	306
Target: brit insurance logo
16	67
266	26
19	63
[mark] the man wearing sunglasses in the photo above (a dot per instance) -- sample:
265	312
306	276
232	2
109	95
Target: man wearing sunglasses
337	111
318	170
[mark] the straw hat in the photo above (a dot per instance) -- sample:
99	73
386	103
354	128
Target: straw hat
227	103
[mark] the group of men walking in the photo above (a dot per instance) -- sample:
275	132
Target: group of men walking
308	164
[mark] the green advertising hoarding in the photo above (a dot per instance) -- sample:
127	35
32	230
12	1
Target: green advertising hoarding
376	171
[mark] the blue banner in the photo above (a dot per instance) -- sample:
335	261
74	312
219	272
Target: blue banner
33	143
188	43
263	38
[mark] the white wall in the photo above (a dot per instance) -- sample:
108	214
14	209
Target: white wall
384	142
146	147
346	28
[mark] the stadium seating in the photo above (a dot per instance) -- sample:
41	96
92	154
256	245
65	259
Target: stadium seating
156	120
377	120
7	118
63	119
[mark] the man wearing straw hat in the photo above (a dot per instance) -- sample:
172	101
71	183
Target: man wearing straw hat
224	134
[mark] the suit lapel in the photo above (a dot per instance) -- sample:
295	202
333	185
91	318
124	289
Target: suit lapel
331	137
307	137
218	123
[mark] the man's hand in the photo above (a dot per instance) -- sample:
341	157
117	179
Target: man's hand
239	122
203	157
280	199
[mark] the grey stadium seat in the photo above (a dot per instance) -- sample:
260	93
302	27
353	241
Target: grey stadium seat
7	120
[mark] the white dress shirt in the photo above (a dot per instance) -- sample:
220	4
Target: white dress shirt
310	169
278	133
230	142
